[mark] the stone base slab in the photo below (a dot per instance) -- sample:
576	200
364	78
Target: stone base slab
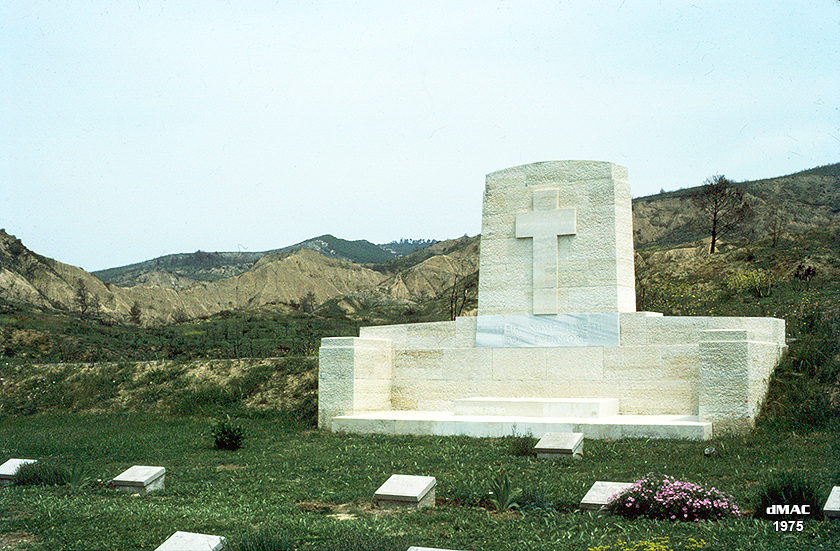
441	423
601	492
189	541
831	509
406	491
560	444
140	479
538	407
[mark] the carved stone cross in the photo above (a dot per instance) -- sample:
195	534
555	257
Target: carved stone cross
544	225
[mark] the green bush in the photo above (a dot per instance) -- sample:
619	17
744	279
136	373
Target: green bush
788	489
665	498
522	445
40	474
226	435
759	283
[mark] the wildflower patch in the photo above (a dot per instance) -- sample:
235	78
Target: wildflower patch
666	498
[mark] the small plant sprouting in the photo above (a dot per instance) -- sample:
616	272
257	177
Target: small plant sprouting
78	476
535	499
502	493
226	435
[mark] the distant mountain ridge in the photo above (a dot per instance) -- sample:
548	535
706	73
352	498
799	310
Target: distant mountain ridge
280	280
184	269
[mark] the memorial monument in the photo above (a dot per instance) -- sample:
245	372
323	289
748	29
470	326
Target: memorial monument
557	345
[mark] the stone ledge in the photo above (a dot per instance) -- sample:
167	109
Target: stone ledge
441	423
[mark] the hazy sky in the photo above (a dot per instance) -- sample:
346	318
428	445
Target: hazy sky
134	129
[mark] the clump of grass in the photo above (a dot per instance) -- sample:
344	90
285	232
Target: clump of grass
41	474
502	492
78	476
227	436
665	498
788	489
265	540
347	538
535	499
522	445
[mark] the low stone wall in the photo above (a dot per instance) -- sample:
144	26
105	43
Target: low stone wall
717	368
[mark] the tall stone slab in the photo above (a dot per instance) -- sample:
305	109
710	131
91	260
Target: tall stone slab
557	238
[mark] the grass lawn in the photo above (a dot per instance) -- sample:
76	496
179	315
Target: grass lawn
315	488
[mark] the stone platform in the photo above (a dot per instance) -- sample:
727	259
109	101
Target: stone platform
598	423
556	320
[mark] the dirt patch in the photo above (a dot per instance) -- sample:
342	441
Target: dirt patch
13	540
230	467
345	511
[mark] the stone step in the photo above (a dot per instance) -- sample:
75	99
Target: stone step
538	407
442	423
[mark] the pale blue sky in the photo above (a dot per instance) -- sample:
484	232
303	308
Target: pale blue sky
133	129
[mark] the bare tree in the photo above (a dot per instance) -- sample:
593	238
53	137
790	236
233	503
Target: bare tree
84	299
776	224
458	295
722	208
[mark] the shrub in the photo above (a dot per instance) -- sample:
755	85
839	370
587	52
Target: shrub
227	436
40	474
522	446
759	283
666	498
788	489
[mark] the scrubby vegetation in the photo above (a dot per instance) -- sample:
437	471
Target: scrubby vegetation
310	490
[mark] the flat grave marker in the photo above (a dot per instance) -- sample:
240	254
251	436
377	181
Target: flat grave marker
428	549
403	490
600	492
189	541
831	509
140	479
560	444
10	467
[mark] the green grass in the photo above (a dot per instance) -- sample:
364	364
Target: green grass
288	483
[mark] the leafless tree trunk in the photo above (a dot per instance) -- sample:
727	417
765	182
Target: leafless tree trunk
722	208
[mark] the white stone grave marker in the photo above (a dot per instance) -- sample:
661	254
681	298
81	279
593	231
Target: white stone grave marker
189	541
407	491
831	509
428	549
10	467
140	479
601	492
560	444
